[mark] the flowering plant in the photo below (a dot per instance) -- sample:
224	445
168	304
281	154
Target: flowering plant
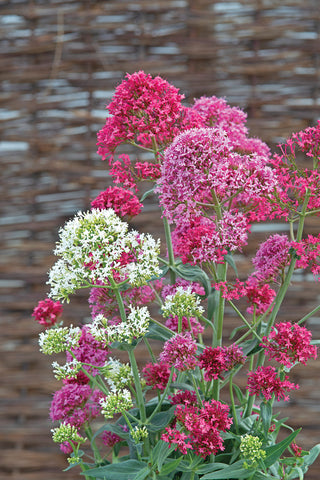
182	414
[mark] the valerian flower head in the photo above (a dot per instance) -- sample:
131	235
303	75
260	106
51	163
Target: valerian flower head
156	375
67	433
179	352
265	382
47	312
289	343
135	327
69	370
139	434
251	450
96	246
142	108
271	258
183	303
58	340
116	402
118	375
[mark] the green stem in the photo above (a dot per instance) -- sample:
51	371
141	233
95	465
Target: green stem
153	358
233	407
140	399
218	322
250	399
309	315
167	233
97	456
251	328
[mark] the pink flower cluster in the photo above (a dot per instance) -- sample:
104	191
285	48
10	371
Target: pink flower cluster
295	181
47	312
289	343
204	186
122	201
201	428
102	300
265	382
218	360
156	375
185	397
271	258
260	297
308	253
75	404
89	351
142	109
179	352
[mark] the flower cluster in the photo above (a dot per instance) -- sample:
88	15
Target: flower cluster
122	201
288	344
97	247
216	361
47	312
251	450
201	428
143	110
265	382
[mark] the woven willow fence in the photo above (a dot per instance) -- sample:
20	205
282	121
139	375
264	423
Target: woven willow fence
60	63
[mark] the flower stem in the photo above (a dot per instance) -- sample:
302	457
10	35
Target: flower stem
140	399
170	249
234	413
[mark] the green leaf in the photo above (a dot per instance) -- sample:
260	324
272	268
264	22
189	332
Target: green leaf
312	456
127	470
148	193
229	259
161	420
170	465
193	273
236	330
275	451
238	393
235	470
156	332
266	416
142	474
213	302
161	451
210	467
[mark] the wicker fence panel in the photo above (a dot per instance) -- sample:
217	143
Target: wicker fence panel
60	63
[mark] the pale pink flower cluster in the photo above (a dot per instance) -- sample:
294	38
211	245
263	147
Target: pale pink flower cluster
271	258
208	186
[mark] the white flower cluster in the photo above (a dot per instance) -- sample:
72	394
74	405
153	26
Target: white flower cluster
139	434
118	375
66	433
184	303
94	246
56	340
135	327
116	402
68	370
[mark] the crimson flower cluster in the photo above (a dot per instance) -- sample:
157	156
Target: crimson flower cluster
47	312
265	382
289	343
201	428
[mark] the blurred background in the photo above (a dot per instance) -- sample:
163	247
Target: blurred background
60	63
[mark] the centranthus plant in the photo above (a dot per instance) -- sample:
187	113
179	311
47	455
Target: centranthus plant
199	405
